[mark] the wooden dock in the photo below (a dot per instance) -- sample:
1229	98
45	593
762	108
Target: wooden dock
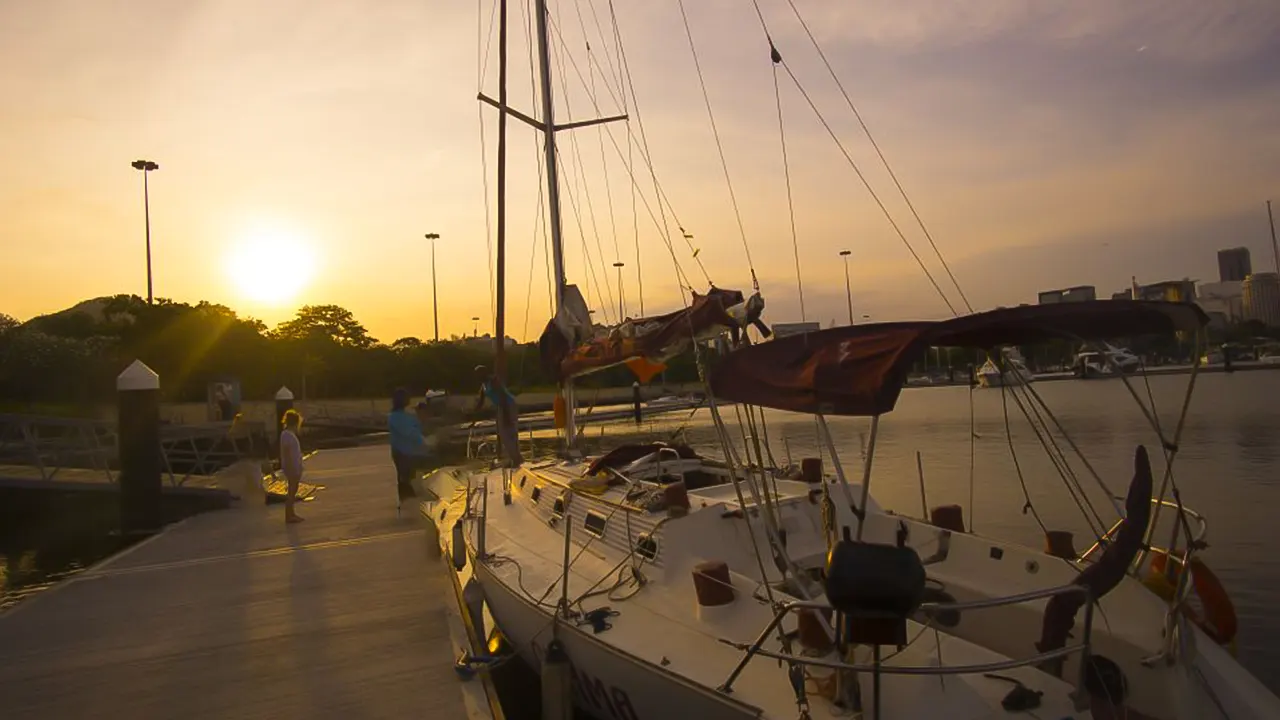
233	614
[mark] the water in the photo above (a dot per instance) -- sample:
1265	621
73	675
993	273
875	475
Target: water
1227	468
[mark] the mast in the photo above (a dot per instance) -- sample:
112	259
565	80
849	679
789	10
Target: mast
1275	249
553	191
500	325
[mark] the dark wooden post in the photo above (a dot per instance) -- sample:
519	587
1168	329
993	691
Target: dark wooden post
138	438
635	399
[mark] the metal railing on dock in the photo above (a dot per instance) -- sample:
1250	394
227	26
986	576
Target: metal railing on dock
53	448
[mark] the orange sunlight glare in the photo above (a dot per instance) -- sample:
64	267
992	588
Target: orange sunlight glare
270	266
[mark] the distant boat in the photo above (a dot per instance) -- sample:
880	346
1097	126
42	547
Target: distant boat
670	400
1092	363
1015	370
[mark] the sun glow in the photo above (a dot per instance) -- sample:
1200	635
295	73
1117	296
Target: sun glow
271	265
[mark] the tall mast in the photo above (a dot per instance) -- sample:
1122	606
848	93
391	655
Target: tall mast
553	190
1275	249
500	325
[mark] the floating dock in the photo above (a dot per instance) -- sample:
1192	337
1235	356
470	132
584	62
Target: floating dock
233	613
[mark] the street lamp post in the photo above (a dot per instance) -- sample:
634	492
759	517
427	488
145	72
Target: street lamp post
435	307
621	311
146	166
848	289
475	332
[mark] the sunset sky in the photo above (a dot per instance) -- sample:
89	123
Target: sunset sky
305	147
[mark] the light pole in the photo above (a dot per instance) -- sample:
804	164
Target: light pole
146	166
435	307
848	289
621	312
475	332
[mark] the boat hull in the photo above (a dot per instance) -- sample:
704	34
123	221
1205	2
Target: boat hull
607	683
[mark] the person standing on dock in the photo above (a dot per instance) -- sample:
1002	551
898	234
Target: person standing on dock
408	448
291	462
507	414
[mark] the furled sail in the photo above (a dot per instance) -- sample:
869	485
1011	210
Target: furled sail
571	346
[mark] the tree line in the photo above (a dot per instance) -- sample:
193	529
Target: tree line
72	358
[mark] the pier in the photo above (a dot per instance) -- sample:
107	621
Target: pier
231	613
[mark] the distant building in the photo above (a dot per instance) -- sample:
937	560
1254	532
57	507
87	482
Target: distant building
1122	295
1169	291
795	328
1262	298
1225	298
1234	264
1079	293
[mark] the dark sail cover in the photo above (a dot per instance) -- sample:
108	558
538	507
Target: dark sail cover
860	369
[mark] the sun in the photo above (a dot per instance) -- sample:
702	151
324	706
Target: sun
270	265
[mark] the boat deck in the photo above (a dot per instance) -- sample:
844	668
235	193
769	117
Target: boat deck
235	614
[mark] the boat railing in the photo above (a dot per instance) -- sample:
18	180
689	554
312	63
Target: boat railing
1083	647
1198	534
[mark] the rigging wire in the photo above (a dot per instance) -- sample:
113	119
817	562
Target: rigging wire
593	282
663	202
715	132
786	174
481	68
849	158
906	198
580	177
593	65
635	218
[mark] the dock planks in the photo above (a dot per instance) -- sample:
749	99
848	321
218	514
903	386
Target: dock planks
235	614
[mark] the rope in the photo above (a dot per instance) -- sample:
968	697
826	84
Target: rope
1008	433
973	454
715	132
876	145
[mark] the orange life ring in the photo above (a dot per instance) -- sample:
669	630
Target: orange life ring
1218	620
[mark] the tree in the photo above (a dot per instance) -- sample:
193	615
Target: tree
7	324
326	321
406	343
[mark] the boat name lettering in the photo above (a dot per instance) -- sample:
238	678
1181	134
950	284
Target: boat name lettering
609	700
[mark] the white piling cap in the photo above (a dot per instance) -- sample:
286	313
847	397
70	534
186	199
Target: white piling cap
284	393
138	377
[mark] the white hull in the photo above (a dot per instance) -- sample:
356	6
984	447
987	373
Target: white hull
662	658
619	671
607	684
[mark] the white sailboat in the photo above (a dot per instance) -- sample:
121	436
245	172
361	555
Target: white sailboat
664	584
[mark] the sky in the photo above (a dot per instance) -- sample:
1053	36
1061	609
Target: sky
306	146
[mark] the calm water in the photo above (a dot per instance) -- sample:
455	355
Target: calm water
1228	469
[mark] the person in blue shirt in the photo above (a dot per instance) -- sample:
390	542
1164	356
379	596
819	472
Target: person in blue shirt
507	414
409	449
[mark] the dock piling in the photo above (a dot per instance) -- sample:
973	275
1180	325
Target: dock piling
138	407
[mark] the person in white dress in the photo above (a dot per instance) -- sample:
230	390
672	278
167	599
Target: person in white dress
291	462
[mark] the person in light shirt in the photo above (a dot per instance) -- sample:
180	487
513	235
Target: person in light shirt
291	462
